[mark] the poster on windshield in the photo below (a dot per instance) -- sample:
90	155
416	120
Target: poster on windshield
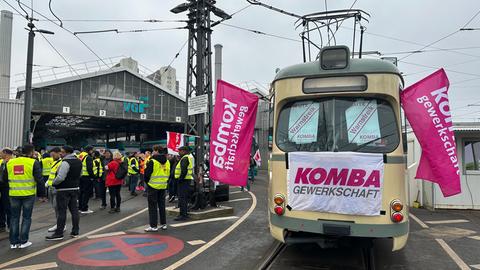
335	182
303	122
362	122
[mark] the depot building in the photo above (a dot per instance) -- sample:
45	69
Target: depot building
115	108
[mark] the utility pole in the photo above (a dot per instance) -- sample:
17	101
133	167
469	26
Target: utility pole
27	113
199	73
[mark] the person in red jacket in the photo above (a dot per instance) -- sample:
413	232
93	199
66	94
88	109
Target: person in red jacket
113	183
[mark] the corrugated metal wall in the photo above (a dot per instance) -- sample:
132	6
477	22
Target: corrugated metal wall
11	123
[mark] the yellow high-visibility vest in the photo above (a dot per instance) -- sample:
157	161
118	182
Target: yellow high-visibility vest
20	177
97	167
53	171
46	166
178	170
83	158
130	170
160	175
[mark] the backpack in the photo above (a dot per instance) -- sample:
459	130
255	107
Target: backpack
122	170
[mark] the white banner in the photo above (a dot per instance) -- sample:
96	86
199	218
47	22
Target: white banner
335	182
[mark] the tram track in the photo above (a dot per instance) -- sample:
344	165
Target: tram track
276	256
268	260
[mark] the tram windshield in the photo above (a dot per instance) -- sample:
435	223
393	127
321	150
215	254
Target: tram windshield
338	124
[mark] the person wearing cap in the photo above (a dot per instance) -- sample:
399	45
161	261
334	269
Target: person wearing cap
183	176
86	180
156	177
52	193
23	175
6	155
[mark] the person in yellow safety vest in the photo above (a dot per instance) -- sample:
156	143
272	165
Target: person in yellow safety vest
86	180
98	172
183	176
133	171
6	155
47	166
156	177
23	175
52	193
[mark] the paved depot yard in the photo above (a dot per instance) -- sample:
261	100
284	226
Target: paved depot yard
447	240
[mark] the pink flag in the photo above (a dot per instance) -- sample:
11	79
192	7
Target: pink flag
174	141
232	134
427	109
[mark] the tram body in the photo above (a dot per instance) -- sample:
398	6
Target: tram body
336	86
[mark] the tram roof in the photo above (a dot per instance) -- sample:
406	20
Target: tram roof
355	66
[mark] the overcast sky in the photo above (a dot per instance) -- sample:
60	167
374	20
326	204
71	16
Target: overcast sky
251	59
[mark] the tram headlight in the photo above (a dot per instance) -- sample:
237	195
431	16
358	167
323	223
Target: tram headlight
396	205
397	217
279	199
279	210
334	57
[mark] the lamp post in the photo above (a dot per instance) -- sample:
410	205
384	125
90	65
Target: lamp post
27	113
199	73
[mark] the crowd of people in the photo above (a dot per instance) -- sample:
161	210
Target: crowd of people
68	179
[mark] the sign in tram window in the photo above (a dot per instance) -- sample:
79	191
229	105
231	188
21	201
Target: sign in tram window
303	122
362	122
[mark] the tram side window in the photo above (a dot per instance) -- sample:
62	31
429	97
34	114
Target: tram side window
472	155
338	124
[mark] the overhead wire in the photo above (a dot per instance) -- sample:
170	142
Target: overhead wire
445	37
338	27
69	31
261	32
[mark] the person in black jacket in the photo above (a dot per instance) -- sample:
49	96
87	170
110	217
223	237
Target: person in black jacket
86	180
67	183
7	154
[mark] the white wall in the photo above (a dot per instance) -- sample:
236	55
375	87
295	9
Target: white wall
431	195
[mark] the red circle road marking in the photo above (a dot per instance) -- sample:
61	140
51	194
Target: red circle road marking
121	250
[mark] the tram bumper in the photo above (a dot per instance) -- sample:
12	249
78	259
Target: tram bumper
281	225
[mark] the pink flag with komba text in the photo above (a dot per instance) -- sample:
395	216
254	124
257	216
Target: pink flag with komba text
231	135
427	108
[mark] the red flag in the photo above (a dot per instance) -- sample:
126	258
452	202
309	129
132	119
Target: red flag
174	141
258	158
232	134
427	108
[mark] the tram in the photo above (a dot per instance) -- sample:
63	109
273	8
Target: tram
336	115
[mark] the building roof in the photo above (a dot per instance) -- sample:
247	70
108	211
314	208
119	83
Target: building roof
99	73
466	126
356	66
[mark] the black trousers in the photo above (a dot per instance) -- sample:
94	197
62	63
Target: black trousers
172	187
115	198
183	188
156	199
86	189
4	208
102	190
67	199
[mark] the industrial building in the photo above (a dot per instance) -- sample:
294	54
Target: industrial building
115	108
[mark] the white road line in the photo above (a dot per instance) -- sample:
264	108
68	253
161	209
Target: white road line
36	266
241	199
476	266
105	235
196	242
235	192
202	221
476	237
423	225
461	264
47	249
447	221
217	238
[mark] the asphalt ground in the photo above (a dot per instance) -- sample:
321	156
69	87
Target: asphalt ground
423	250
452	241
240	247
